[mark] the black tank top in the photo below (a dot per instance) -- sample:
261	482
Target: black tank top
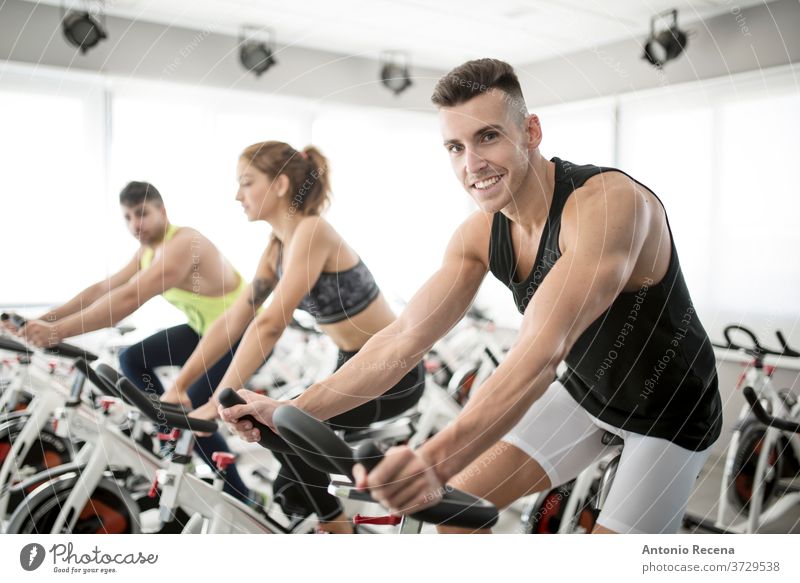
646	364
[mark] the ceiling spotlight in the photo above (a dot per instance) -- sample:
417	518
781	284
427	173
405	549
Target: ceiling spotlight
395	71
257	50
667	44
82	28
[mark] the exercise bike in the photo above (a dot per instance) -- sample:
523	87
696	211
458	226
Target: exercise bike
321	448
760	457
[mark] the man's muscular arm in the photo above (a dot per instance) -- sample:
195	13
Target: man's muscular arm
94	292
169	270
611	225
226	330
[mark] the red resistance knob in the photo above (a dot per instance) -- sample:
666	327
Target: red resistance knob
223	459
173	435
432	366
153	489
106	403
391	519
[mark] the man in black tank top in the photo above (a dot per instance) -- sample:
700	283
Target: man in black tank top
588	255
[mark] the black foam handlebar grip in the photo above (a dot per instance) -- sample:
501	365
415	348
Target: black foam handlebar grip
786	350
269	439
368	454
159	415
322	449
60	349
16	319
94	378
766	418
14	346
71	351
727	333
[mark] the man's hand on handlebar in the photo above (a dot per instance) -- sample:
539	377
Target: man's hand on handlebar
39	333
260	407
403	481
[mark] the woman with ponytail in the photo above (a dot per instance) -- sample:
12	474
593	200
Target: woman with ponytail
306	265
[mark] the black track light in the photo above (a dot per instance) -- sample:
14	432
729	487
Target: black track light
255	54
395	71
82	28
667	44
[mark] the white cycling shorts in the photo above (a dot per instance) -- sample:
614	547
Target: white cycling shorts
653	481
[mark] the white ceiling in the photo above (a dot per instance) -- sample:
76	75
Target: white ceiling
438	34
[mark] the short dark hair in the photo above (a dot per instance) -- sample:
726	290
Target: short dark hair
476	77
135	193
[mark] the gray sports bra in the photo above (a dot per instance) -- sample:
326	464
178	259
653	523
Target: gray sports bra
337	295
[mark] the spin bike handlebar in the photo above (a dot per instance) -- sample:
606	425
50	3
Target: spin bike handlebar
269	439
321	448
155	411
14	346
107	384
756	350
766	418
60	349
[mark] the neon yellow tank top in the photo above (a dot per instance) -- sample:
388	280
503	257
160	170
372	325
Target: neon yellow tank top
200	310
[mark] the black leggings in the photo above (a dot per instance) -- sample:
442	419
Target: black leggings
302	490
173	347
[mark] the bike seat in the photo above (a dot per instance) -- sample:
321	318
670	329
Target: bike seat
321	448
